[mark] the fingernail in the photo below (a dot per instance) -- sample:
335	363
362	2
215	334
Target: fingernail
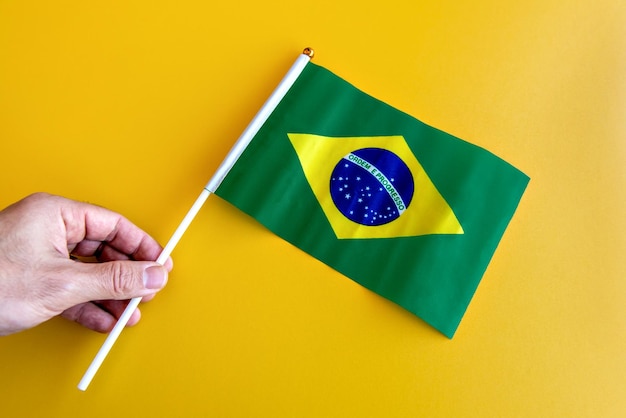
154	277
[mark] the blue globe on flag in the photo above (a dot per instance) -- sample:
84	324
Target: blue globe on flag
371	186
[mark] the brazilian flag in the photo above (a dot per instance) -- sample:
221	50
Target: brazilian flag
406	210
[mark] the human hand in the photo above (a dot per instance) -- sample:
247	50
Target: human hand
39	280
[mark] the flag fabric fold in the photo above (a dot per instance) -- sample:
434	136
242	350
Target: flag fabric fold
404	209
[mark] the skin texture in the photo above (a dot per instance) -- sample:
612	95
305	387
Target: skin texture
74	259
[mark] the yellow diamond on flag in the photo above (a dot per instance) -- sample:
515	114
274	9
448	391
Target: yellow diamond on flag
373	187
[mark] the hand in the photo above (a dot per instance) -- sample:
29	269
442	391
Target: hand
39	279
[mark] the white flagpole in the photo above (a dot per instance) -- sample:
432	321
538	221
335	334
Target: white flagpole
232	156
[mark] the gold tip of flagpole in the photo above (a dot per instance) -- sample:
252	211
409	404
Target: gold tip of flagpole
309	52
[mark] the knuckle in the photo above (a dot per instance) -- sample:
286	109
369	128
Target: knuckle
37	199
121	280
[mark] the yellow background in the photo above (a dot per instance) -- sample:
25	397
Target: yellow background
133	104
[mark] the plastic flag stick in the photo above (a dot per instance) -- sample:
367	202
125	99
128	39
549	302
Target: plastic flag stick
236	151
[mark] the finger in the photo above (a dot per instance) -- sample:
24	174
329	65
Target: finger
95	318
101	250
93	223
118	280
87	248
107	253
116	308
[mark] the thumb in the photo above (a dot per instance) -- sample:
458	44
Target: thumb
121	279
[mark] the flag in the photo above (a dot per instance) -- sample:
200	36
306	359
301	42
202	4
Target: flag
404	209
